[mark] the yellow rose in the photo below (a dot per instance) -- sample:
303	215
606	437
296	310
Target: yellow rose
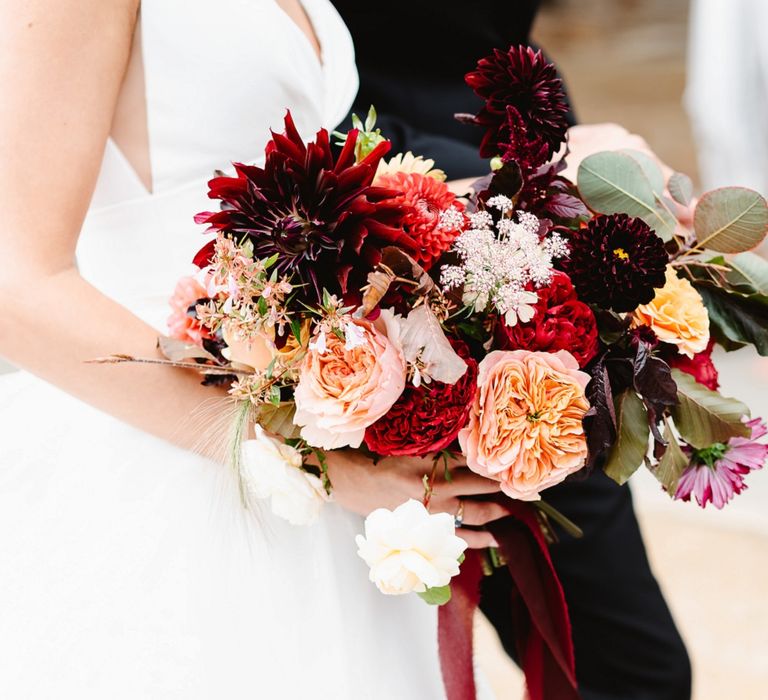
676	315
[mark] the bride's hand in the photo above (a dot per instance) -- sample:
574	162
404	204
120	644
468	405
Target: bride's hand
361	486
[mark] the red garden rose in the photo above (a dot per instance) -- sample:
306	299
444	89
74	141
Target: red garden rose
427	418
562	322
700	366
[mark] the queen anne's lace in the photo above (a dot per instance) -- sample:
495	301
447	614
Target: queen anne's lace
499	263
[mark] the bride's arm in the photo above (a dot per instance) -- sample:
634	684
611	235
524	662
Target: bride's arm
61	67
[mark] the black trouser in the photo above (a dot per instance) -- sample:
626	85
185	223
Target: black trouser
626	643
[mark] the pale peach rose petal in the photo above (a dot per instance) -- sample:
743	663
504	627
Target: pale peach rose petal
342	391
525	427
676	315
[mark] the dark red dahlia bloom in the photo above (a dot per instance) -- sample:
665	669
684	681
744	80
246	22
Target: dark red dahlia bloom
616	262
525	105
562	322
322	216
427	418
700	366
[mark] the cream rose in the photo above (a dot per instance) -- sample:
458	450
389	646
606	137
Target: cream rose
410	549
525	426
676	315
272	470
347	384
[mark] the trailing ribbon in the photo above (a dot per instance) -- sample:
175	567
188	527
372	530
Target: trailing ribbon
541	622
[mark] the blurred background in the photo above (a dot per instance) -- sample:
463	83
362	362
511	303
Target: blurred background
627	61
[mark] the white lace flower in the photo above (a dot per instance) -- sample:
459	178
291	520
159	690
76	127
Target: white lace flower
272	470
480	219
410	549
451	219
498	267
500	202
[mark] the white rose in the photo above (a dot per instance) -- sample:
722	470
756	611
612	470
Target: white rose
410	549
273	470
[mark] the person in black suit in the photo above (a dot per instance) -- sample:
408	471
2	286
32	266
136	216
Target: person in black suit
626	644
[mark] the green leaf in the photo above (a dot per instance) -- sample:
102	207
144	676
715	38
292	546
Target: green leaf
436	596
680	187
650	168
672	463
749	270
279	420
612	182
703	417
631	446
370	120
271	260
296	329
730	220
736	320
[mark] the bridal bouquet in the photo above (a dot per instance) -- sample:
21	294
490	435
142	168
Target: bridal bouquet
535	327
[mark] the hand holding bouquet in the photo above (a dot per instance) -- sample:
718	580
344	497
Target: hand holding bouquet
532	330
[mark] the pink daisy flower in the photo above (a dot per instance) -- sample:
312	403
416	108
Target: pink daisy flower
716	474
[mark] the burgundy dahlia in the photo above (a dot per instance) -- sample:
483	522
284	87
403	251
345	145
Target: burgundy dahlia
561	322
525	106
321	216
616	262
427	418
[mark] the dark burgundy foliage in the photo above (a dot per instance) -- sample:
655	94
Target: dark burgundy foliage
600	421
616	262
323	216
652	380
525	106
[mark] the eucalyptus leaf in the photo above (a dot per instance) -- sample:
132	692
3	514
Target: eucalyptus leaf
680	187
650	167
730	220
736	319
436	596
703	416
672	463
749	270
631	446
612	182
279	420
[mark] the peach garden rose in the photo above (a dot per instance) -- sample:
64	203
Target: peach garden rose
676	315
346	384
525	427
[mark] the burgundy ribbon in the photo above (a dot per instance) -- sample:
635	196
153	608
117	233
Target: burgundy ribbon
541	622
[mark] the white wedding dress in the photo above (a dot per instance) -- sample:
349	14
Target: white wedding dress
128	568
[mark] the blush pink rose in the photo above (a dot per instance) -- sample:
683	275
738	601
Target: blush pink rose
181	324
347	384
525	427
